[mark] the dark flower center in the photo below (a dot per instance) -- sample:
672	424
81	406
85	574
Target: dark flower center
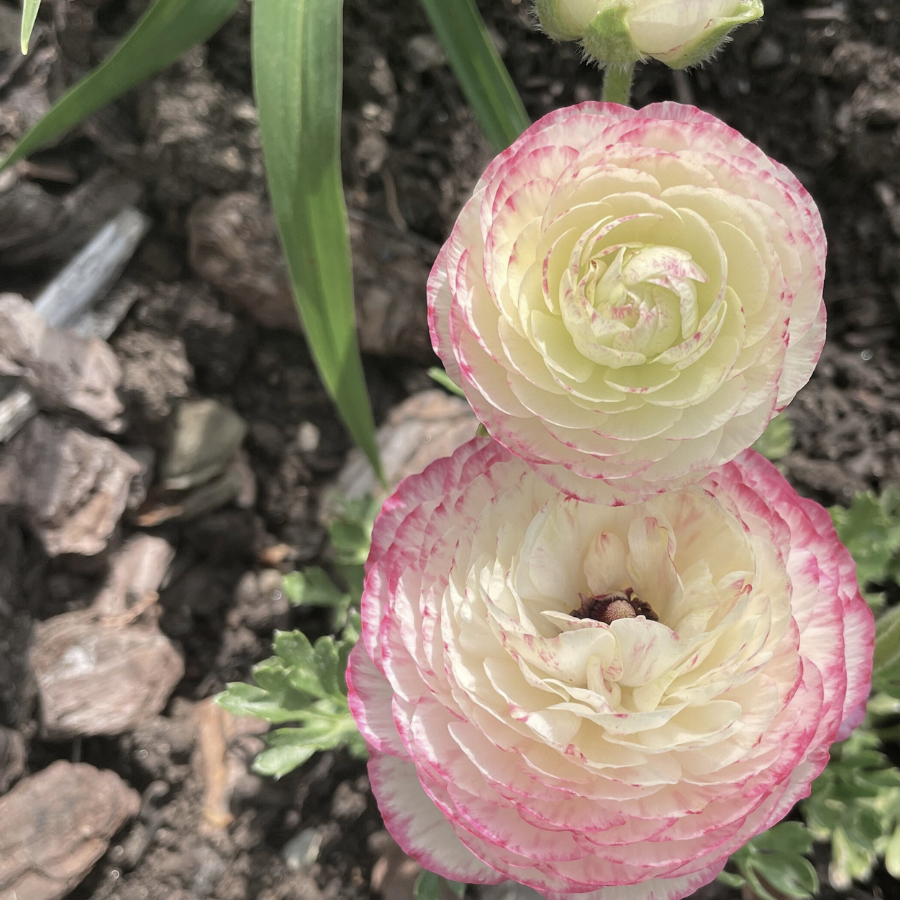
617	605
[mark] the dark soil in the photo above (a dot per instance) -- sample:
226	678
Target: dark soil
816	85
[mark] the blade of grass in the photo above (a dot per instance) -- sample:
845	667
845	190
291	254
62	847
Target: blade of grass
161	35
297	76
29	16
479	69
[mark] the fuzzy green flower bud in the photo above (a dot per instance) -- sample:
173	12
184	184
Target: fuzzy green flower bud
679	33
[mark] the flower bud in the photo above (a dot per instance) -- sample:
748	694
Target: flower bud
679	33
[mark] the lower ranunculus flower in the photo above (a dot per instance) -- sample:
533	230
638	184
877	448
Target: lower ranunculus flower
594	700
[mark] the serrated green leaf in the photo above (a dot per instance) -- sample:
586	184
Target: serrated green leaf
479	69
849	862
864	827
776	859
792	875
294	649
892	854
887	645
297	77
303	685
276	762
312	587
248	700
777	440
351	633
161	35
870	530
757	887
29	16
351	541
786	837
326	661
429	886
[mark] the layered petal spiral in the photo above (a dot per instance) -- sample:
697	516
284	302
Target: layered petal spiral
630	296
600	701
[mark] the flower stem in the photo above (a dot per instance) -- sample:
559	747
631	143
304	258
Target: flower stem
617	84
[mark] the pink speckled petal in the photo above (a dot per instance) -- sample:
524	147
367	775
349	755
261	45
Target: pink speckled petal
418	826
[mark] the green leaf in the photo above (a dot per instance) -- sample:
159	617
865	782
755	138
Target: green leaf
444	380
855	804
732	879
892	854
429	886
777	440
479	69
790	875
351	534
29	16
312	587
886	673
297	76
278	761
870	530
161	35
777	859
786	837
303	685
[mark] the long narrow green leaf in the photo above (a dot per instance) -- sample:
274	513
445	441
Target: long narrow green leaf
161	35
297	76
29	15
479	69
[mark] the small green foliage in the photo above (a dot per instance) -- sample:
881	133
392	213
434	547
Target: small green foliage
444	380
314	587
302	684
429	886
886	673
777	440
351	537
351	531
774	864
870	530
855	804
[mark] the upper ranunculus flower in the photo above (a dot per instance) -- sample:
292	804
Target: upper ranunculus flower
630	296
589	698
620	32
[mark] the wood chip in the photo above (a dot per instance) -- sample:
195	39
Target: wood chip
56	825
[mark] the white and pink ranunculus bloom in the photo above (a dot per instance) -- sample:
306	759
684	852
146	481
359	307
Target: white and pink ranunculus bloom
630	296
600	702
619	32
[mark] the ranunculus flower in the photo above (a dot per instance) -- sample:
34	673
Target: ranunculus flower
619	32
630	296
588	698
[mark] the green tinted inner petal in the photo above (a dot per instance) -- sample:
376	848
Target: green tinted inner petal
624	304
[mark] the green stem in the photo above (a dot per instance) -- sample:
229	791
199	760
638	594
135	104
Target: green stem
617	84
